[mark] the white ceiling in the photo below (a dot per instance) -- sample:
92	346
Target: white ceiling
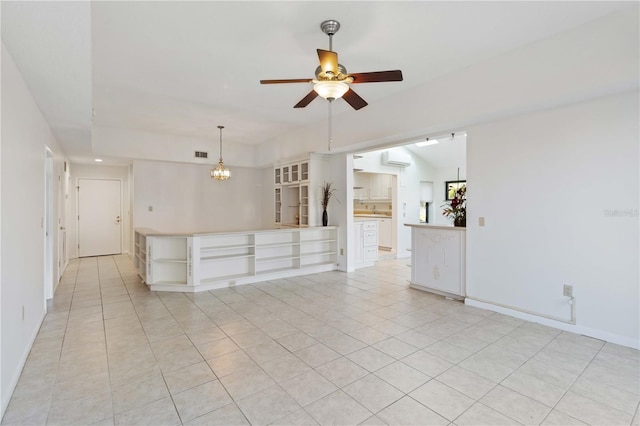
182	68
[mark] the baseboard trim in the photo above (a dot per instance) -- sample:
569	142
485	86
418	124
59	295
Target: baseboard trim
586	331
18	371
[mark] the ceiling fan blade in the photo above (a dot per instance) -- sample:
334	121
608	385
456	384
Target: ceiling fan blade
294	80
328	61
377	76
307	99
354	99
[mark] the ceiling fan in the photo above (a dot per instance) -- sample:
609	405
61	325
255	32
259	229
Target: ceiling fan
332	81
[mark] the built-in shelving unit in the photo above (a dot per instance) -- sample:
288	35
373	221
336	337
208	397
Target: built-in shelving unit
208	261
140	255
292	198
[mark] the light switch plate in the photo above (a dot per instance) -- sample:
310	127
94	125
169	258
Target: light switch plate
481	221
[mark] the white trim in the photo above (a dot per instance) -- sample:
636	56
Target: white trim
586	331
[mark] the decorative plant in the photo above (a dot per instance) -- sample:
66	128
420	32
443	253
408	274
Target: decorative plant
456	208
327	192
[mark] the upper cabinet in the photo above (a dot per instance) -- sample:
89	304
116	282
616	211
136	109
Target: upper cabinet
292	173
380	186
372	186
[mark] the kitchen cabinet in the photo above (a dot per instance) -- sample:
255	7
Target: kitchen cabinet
385	233
380	186
372	186
366	243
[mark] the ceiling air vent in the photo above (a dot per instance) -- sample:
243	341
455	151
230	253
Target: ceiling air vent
201	154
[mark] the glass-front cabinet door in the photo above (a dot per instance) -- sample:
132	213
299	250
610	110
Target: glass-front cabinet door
304	205
277	176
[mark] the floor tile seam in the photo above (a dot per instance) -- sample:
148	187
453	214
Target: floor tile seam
569	389
551	409
431	409
554	407
64	337
113	408
493	409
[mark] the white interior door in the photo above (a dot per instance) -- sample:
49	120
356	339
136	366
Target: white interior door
99	217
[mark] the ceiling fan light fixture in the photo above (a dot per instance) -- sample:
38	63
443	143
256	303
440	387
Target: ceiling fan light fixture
331	90
220	172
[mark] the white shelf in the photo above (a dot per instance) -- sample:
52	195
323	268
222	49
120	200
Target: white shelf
272	245
276	258
226	256
228	247
307	265
322	240
319	253
169	260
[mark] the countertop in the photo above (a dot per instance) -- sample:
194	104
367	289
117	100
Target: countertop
429	226
374	216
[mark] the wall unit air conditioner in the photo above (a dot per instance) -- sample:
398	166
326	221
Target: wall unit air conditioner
396	158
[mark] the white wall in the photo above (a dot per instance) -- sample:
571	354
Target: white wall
547	184
185	198
98	171
25	134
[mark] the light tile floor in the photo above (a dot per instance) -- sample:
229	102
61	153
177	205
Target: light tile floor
331	348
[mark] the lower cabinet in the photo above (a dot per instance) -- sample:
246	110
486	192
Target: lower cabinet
366	243
385	228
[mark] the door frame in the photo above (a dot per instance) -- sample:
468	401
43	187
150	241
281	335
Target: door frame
77	221
47	224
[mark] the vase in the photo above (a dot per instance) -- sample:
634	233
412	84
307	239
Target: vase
460	221
325	218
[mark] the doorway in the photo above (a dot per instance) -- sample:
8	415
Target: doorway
99	217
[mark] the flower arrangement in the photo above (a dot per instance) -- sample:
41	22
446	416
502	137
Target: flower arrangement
456	208
327	192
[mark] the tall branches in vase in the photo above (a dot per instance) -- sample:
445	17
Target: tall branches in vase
327	193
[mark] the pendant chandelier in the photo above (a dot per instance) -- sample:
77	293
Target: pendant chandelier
220	173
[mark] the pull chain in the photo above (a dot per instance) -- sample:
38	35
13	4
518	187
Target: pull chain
330	125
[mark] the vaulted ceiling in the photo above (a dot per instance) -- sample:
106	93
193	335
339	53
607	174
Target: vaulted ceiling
179	69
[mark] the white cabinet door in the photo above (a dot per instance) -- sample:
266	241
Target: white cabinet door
384	233
361	186
380	186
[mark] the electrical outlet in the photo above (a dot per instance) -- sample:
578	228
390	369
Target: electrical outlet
150	208
232	283
567	290
481	221
341	252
